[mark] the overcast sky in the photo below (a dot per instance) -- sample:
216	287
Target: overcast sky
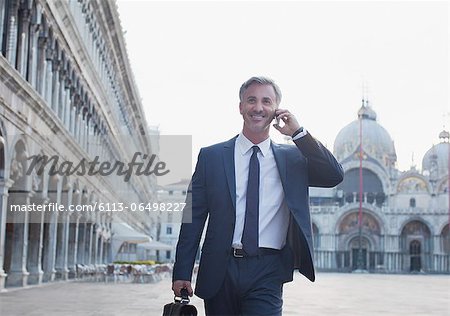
190	58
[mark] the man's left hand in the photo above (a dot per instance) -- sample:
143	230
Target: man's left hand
291	124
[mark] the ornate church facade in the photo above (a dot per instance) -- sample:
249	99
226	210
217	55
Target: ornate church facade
400	221
66	91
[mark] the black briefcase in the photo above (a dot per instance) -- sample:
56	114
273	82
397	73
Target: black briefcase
180	306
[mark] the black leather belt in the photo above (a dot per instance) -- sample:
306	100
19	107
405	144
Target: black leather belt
240	253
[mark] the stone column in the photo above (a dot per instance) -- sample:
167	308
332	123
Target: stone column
48	75
108	246
67	102
41	66
18	274
109	258
78	125
33	53
81	245
77	233
60	246
11	33
100	251
95	244
51	221
62	242
23	38
54	95
62	91
81	130
73	245
4	186
2	38
83	251
65	250
88	243
35	244
91	234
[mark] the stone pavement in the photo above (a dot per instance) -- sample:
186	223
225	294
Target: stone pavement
331	294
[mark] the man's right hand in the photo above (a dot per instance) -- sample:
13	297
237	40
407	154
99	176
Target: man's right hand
181	284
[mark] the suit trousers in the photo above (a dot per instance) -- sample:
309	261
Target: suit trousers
253	286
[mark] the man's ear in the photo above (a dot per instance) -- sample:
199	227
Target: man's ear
240	107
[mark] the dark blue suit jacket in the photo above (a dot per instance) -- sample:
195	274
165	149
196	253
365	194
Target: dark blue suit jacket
212	195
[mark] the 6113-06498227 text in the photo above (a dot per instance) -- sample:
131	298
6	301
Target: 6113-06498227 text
100	207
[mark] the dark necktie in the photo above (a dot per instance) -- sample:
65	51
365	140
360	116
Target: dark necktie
251	223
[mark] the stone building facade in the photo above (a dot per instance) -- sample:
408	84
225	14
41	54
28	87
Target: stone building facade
404	214
169	223
66	90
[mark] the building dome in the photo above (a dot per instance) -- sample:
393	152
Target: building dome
376	140
435	160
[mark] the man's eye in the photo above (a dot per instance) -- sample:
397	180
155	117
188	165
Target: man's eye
251	100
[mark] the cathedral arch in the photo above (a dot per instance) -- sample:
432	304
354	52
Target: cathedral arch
348	222
39	181
355	249
413	184
416	245
373	168
419	223
373	188
19	165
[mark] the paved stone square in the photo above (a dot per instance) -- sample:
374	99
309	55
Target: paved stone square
332	294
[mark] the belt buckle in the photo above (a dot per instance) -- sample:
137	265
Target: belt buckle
236	254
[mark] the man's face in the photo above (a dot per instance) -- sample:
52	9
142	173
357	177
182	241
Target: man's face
258	107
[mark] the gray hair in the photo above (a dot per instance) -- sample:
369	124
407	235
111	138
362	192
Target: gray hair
260	80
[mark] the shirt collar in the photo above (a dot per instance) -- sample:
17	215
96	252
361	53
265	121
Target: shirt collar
244	145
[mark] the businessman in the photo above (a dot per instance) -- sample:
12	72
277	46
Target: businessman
252	195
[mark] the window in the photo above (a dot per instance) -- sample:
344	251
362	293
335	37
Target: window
169	230
412	202
167	254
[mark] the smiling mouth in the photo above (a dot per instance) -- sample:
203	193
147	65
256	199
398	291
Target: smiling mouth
257	116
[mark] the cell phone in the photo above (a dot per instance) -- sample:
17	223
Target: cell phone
277	119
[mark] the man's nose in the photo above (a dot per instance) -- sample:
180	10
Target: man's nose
258	106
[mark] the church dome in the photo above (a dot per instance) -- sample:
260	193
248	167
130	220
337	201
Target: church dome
376	140
435	160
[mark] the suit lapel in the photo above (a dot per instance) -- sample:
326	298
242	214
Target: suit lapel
228	163
280	160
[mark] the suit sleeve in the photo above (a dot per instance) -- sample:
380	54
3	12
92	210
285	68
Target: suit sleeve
194	217
323	168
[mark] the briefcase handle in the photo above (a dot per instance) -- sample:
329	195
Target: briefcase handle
184	299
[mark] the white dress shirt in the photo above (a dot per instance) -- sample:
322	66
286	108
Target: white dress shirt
273	211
